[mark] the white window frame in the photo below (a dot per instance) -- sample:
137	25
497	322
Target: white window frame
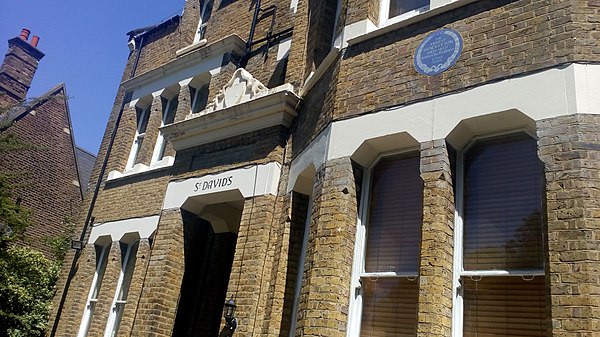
114	320
384	12
358	265
161	143
84	326
459	272
197	91
199	36
139	136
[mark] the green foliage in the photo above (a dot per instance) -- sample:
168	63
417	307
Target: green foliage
60	244
27	281
27	277
13	217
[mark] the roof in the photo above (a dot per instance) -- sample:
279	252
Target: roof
85	164
23	108
136	33
82	157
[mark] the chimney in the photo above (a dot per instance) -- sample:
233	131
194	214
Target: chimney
18	68
24	34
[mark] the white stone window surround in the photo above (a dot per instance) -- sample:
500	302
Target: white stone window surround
201	63
243	105
143	115
459	272
205	5
200	93
358	262
123	284
168	114
384	14
547	94
94	291
364	30
116	230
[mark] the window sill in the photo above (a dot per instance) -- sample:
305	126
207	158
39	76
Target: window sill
191	48
397	23
141	168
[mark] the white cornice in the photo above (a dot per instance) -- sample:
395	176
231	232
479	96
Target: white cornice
278	107
231	43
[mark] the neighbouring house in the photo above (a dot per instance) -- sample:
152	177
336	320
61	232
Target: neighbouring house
348	168
51	174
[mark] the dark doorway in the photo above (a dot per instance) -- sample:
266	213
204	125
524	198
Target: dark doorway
208	260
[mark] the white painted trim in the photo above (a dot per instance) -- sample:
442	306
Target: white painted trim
165	162
283	49
278	107
96	281
294	6
114	321
314	154
352	31
316	75
391	25
247	182
202	60
145	227
384	10
547	94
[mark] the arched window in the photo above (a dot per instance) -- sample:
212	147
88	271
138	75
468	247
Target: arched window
388	249
101	261
500	242
142	115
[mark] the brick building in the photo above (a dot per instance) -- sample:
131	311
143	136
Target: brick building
51	174
346	168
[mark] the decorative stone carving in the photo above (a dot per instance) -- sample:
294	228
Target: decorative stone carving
241	88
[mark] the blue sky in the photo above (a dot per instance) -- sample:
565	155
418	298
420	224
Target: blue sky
85	43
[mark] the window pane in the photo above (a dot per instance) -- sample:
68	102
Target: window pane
102	256
200	99
142	119
395	213
502	212
389	307
128	268
398	7
505	306
169	115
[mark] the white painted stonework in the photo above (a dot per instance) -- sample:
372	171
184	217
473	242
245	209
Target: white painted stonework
512	104
145	227
244	182
242	87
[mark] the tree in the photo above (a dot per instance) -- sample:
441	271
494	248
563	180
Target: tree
27	277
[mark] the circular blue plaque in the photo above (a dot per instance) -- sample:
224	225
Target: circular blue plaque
438	52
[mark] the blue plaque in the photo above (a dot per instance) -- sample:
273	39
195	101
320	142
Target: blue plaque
438	52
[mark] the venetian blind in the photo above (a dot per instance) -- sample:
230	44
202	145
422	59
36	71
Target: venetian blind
502	206
393	245
389	307
395	213
505	306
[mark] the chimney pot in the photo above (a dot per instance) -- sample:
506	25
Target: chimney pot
25	34
34	40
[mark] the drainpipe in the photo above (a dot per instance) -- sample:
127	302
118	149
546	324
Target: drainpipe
89	218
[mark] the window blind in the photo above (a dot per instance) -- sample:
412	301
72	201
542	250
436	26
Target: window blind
395	213
393	241
504	231
505	306
389	307
502	208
